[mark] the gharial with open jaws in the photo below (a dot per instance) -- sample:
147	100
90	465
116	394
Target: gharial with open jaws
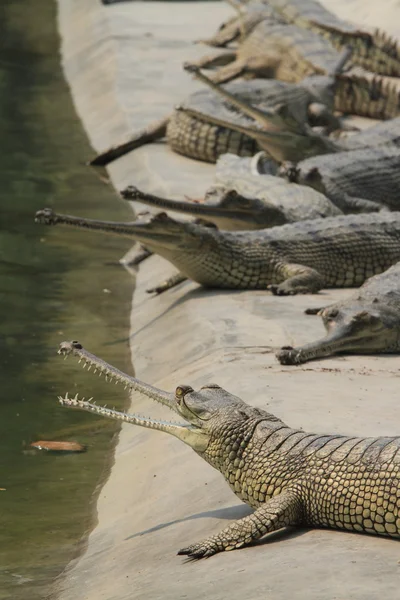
290	477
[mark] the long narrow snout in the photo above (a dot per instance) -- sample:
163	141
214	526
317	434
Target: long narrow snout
159	229
183	206
364	333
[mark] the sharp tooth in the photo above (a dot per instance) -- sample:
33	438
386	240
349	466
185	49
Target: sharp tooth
106	377
80	360
95	371
89	367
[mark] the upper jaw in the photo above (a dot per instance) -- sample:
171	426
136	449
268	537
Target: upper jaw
338	340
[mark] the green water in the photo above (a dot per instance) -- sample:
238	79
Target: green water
55	284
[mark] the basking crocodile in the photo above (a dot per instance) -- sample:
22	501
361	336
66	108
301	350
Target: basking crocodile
375	50
289	477
360	179
276	50
197	137
247	202
366	323
194	129
299	258
292	138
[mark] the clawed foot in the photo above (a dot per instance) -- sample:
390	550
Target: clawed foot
280	290
46	217
288	355
285	289
201	550
130	193
191	67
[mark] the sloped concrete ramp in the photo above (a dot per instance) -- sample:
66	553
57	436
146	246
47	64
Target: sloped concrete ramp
123	63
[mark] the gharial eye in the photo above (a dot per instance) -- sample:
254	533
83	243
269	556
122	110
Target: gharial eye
181	390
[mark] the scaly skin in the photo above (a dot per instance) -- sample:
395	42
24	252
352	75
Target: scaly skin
366	95
374	50
276	51
386	133
199	138
357	178
293	137
289	477
240	26
366	323
299	258
308	102
247	201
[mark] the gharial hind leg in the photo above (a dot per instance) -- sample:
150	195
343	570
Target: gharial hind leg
140	255
283	510
153	132
298	279
263	66
210	61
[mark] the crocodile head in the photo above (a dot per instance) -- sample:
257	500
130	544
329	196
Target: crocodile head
212	415
222	205
159	232
236	211
351	328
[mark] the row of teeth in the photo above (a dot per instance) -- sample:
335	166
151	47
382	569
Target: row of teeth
76	401
109	378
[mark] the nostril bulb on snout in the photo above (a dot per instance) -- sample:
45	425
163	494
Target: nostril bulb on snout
181	390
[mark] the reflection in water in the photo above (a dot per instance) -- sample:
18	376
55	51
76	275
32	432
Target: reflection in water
54	285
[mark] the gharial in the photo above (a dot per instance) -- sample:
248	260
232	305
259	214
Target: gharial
289	477
373	50
247	202
196	136
358	180
202	127
368	322
243	200
299	258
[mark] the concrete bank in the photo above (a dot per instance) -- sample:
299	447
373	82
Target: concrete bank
123	63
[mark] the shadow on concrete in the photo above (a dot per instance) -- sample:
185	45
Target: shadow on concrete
230	513
200	292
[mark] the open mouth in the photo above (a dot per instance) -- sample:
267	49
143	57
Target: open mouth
113	375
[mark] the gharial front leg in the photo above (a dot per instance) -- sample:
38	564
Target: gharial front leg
167	284
140	255
298	279
210	61
280	511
